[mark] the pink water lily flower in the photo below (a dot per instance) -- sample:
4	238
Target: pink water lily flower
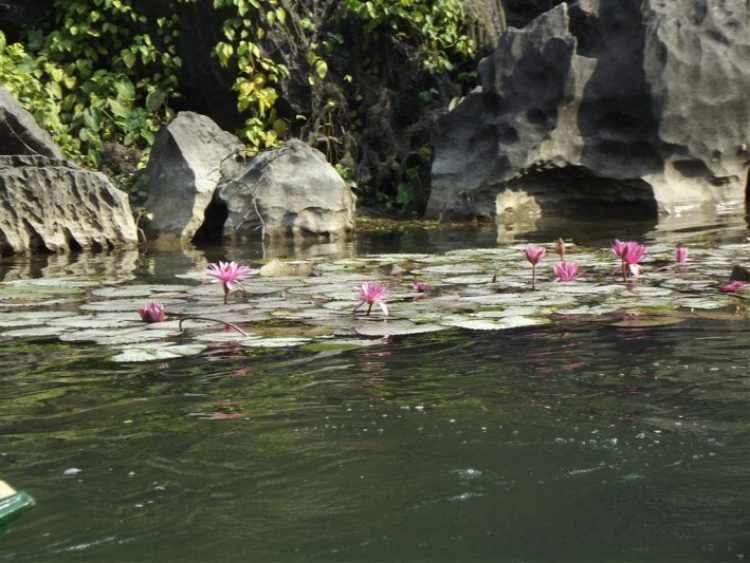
630	253
419	286
620	247
566	271
681	254
226	273
634	253
534	254
152	313
372	293
733	286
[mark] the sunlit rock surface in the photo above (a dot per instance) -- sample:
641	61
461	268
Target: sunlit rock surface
628	106
288	192
52	205
48	204
19	133
190	157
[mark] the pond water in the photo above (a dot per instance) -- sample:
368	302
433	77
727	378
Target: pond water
568	441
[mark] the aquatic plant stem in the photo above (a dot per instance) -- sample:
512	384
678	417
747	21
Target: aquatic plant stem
227	323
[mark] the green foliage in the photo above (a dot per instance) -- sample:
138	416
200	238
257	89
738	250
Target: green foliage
421	50
102	72
95	76
257	75
433	26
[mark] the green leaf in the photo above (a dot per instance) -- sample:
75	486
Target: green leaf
125	90
321	68
155	99
129	59
92	118
117	108
53	89
94	157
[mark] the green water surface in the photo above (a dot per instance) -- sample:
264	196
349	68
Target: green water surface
567	442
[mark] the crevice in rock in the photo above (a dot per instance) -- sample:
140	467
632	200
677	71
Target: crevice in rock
210	231
71	241
575	191
6	249
36	240
691	168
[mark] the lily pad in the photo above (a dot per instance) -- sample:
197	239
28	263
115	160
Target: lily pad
89	321
29	318
274	342
717	302
37	331
395	328
500	324
157	352
145	291
454	269
233	336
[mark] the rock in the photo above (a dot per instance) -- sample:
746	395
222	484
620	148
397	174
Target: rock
190	157
49	204
627	107
276	268
290	191
19	132
515	212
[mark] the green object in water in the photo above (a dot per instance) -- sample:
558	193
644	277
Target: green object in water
13	505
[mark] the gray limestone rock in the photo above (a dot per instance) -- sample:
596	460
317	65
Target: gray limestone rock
629	106
19	132
290	191
51	205
190	157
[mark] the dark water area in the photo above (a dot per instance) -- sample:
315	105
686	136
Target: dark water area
565	442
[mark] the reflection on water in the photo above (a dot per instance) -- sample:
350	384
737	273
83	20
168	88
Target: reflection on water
710	223
116	266
567	443
158	265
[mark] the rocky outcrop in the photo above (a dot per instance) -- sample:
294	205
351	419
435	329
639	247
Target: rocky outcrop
190	157
48	204
618	104
51	205
291	191
201	187
19	133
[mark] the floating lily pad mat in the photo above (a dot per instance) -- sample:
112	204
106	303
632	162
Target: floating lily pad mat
473	290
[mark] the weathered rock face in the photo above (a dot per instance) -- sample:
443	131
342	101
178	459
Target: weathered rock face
630	105
190	156
19	133
48	204
291	191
